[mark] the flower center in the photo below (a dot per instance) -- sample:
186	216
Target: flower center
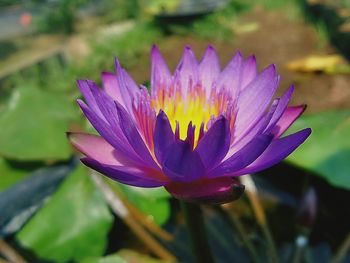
195	107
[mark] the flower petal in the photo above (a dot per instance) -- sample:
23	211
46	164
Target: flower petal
214	145
212	191
281	107
84	87
209	69
231	76
249	71
160	74
94	147
243	157
287	119
111	86
254	99
128	87
277	151
163	136
134	138
258	128
126	175
105	130
182	164
187	70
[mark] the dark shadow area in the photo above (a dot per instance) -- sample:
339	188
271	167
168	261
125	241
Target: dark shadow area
333	215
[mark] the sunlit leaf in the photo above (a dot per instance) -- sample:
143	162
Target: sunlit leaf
156	193
320	63
9	174
33	125
107	259
72	225
327	151
124	256
153	205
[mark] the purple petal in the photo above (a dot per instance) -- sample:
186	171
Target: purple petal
134	138
277	151
128	87
182	164
287	119
111	86
190	134
254	100
163	136
160	74
214	145
212	191
187	70
94	147
243	157
105	130
281	107
209	69
126	175
106	105
231	76
249	71
84	87
258	128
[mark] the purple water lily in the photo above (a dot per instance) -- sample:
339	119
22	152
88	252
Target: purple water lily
195	132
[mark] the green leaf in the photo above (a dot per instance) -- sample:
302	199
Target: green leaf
72	225
107	259
124	256
33	125
327	150
153	193
155	206
9	174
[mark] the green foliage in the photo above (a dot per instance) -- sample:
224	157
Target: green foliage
117	10
152	202
218	25
107	259
124	256
72	225
60	18
33	125
127	48
9	174
327	151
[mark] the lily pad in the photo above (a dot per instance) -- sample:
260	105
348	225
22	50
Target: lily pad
20	201
72	225
10	175
154	203
33	125
327	151
124	256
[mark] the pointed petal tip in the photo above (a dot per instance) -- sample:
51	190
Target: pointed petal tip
154	48
210	48
81	103
252	58
307	132
239	54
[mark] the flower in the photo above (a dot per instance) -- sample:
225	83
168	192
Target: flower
195	132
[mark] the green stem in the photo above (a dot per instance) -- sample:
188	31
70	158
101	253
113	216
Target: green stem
196	228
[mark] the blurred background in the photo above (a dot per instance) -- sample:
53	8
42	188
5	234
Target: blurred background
52	209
